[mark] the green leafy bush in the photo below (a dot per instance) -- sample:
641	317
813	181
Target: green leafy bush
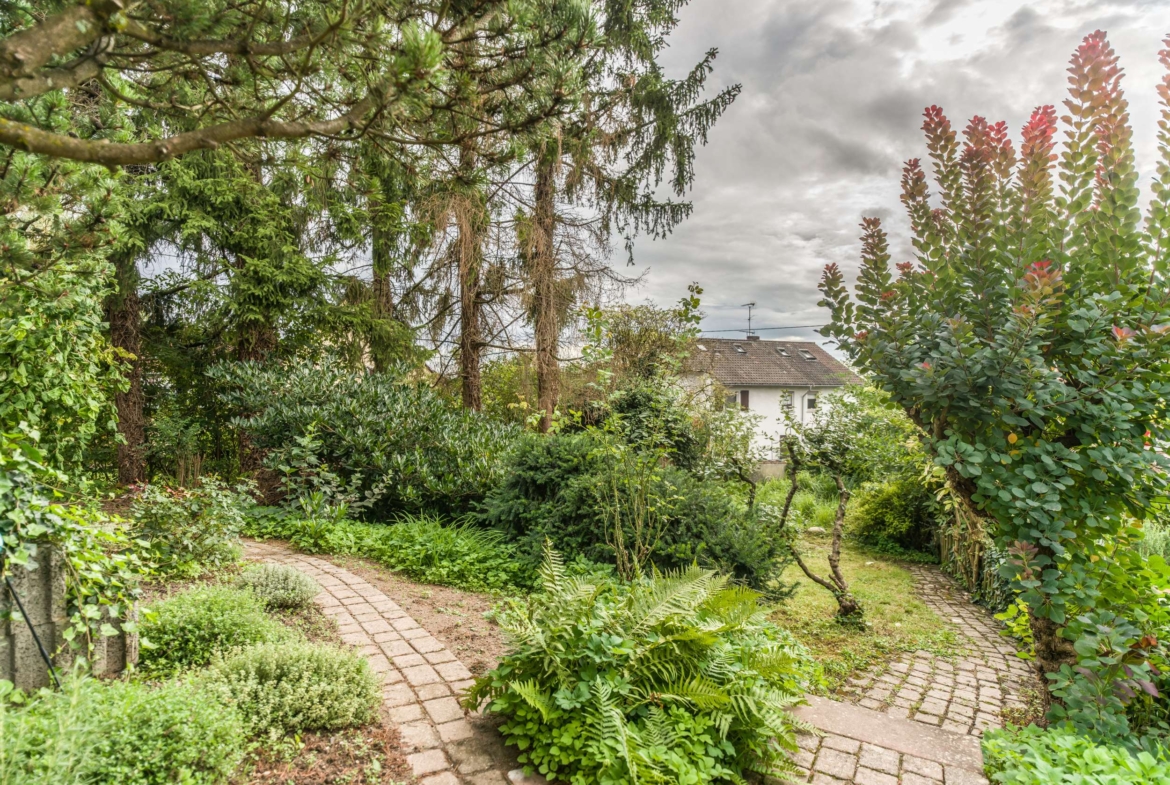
671	678
189	629
189	530
895	516
118	732
279	586
104	566
551	493
291	687
1058	756
58	371
421	547
395	445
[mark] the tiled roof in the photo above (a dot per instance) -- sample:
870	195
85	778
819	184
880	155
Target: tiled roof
739	363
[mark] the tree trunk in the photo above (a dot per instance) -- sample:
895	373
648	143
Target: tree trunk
1053	650
254	345
383	295
546	319
125	334
470	219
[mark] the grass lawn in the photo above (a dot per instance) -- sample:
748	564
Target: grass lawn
897	620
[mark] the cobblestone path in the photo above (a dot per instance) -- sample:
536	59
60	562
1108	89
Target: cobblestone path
420	678
914	722
965	695
917	720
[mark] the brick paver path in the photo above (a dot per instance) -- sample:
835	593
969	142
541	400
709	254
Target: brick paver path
421	679
964	695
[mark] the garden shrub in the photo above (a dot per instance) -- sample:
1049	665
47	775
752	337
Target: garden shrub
551	494
1059	756
190	530
395	445
279	586
895	516
118	732
189	629
421	547
673	677
282	688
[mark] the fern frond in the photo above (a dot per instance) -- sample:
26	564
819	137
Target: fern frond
530	692
698	692
552	570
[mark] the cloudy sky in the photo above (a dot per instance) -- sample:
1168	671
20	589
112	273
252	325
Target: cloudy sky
833	93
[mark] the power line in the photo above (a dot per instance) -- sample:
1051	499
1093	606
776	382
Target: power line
761	329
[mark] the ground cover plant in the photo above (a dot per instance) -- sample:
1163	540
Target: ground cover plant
897	621
123	732
190	628
672	677
289	687
279	586
1028	341
1031	756
421	547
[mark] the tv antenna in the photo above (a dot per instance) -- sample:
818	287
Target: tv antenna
749	306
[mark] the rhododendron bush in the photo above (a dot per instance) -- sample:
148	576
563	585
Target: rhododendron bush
1030	341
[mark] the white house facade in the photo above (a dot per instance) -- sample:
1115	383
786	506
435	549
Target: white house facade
771	379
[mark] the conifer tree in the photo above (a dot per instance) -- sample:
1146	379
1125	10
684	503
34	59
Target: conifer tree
610	155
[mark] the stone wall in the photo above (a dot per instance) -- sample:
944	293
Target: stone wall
41	591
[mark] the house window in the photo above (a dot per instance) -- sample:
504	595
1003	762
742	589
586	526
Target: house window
806	354
783	352
786	401
732	398
810	402
743	399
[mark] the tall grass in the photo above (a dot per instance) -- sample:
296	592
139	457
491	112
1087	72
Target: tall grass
815	502
422	547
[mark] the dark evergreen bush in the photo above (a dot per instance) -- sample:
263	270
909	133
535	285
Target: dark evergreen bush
550	492
392	444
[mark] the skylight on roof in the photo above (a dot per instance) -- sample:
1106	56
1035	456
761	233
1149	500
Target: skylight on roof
702	348
740	349
782	350
806	354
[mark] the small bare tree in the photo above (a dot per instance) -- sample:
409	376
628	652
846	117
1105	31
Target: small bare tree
824	445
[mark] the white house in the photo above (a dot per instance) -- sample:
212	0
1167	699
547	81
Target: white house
769	378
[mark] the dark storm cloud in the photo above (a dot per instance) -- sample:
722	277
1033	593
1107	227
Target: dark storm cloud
832	102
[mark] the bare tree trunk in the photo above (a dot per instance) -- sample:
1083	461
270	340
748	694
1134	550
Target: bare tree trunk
125	334
383	294
543	271
470	306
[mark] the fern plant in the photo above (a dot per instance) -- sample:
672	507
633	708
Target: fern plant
670	678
